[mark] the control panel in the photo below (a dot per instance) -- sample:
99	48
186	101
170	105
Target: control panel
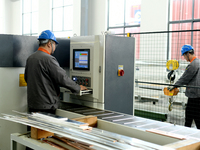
86	57
85	81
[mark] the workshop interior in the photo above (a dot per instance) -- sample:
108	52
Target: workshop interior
126	52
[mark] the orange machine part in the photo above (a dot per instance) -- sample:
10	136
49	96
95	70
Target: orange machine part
172	92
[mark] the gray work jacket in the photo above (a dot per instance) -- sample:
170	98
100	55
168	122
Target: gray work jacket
44	76
191	77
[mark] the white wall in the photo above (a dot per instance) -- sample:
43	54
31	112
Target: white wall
6	17
12	97
154	15
97	17
44	11
15	17
12	16
76	17
154	18
95	14
1	16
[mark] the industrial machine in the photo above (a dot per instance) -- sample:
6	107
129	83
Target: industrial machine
105	65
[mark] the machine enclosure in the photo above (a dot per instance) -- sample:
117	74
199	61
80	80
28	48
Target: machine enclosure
110	91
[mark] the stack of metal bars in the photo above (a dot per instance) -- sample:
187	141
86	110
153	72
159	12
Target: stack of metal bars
100	139
133	121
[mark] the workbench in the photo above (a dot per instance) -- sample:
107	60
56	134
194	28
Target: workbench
29	142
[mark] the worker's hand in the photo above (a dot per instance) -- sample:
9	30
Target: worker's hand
83	88
170	88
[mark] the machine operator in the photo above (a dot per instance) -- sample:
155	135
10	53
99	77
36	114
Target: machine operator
44	76
190	77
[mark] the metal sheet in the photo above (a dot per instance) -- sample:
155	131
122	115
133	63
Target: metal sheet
109	116
119	90
186	131
136	124
104	114
75	109
195	135
6	50
172	128
93	112
85	110
23	47
116	119
129	121
15	49
153	125
62	52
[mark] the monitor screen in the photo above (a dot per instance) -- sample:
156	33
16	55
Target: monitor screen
81	59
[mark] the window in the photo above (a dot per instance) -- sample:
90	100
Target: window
1	17
29	17
62	17
185	15
124	16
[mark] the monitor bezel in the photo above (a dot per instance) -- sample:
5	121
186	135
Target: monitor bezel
84	69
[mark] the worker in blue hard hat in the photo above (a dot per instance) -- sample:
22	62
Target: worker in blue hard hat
188	52
47	36
44	76
191	77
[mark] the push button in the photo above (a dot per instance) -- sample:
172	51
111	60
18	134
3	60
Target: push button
120	72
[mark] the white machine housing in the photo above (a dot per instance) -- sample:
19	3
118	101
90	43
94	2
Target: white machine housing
108	55
94	97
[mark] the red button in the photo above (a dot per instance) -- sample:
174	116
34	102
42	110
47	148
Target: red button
121	72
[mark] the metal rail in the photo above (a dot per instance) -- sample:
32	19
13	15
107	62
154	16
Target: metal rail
167	84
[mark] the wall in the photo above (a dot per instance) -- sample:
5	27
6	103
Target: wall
12	97
7	17
90	17
1	17
76	17
44	21
154	15
153	47
15	17
97	17
97	14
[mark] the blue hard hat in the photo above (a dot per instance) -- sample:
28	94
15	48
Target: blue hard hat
47	34
186	48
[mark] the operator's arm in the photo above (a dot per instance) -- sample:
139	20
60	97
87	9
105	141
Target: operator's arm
60	77
190	71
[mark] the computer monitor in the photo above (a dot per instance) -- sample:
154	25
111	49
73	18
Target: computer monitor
81	59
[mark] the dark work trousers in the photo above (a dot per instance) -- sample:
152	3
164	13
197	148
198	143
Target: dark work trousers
52	111
192	112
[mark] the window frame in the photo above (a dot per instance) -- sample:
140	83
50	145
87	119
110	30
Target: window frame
63	21
124	22
192	21
31	15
